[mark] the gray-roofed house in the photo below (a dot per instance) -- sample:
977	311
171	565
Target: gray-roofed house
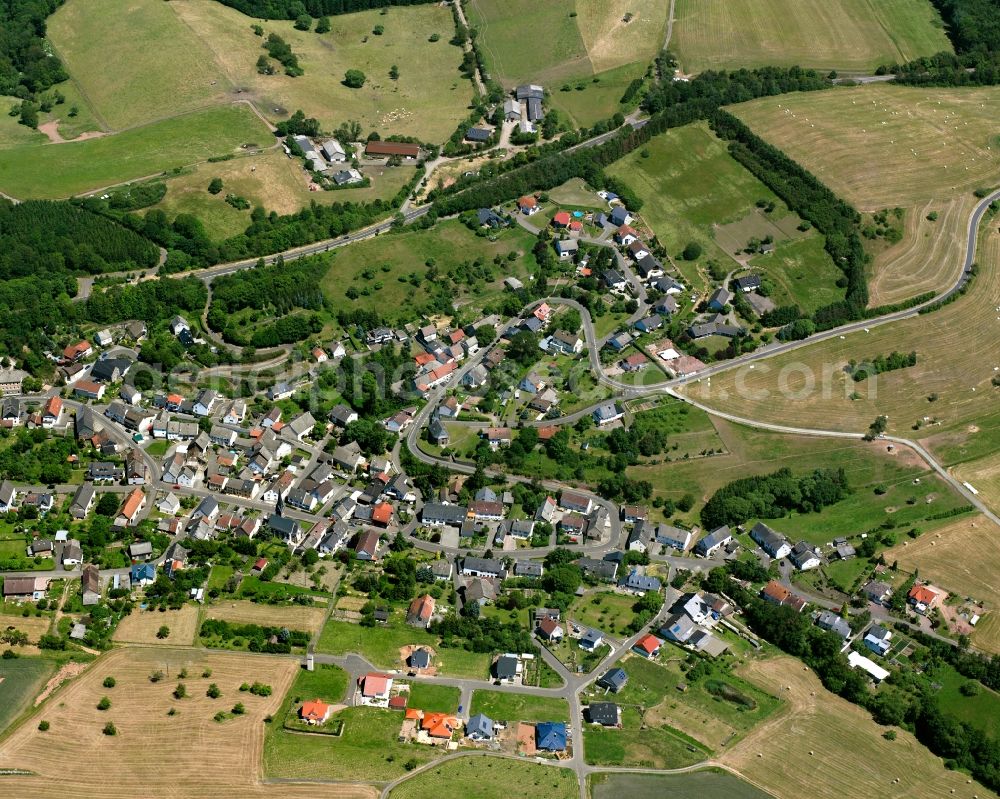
601	569
478	135
771	541
828	620
720	298
607	714
639	583
506	668
483	567
83	500
479	728
715	540
613	680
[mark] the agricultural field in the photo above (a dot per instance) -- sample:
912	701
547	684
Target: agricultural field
141	626
135	153
511	707
749	451
34	626
393	260
824	737
184	749
583	46
297	617
270	180
847	35
670	174
23	678
136	61
381	645
949	388
882	146
427	101
489	778
954	558
987	634
707	784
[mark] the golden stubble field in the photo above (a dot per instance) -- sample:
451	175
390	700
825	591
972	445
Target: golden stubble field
958	354
141	626
188	755
296	617
823	747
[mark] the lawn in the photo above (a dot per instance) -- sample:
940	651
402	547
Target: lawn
707	784
641	745
23	678
219	576
670	174
158	449
136	61
270	180
381	646
982	711
428	100
846	35
138	152
434	698
327	682
800	273
951	385
368	749
393	260
511	707
608	611
489	778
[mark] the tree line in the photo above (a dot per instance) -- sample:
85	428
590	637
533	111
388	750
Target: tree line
879	364
293	9
770	496
27	66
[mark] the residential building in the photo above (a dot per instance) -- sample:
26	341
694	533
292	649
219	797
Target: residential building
613	680
771	541
878	639
648	646
90	585
827	620
482	567
803	556
421	611
776	593
674	537
713	542
607	413
367	546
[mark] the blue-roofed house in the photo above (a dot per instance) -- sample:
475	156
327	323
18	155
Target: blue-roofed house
143	574
550	736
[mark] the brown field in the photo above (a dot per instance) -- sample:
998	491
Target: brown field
957	349
140	627
171	756
705	727
987	634
984	476
929	255
34	626
295	617
954	557
824	747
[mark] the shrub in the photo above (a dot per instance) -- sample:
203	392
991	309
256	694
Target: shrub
156	676
163	632
180	691
215	186
110	729
43	726
260	689
104	704
208	672
109	682
303	22
220	716
213	691
354	79
238	709
693	251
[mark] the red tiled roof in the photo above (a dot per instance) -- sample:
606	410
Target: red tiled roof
398	702
314	710
648	643
373	684
382	513
132	503
527	202
922	594
54	406
561	219
422	608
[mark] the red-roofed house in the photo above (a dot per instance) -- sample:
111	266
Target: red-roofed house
398	702
75	352
420	611
527	205
635	362
576	226
648	646
625	235
923	598
260	565
550	629
52	411
423	358
543	312
438	725
382	514
562	219
375	689
128	514
315	712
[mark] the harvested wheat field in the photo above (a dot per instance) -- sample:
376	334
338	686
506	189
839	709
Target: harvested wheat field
141	626
961	557
881	146
170	755
295	617
986	636
34	626
823	747
984	475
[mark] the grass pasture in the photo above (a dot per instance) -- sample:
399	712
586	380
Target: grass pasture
449	244
12	132
434	698
824	738
22	679
138	152
608	611
489	778
270	180
845	35
510	707
671	182
184	750
136	61
594	52
707	784
141	626
297	617
957	349
427	101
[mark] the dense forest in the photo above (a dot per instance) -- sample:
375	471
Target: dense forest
26	65
292	9
773	495
974	29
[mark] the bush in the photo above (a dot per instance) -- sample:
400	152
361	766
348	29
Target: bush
110	729
215	186
213	691
693	251
180	691
43	726
354	79
109	682
104	704
260	689
163	632
303	22
220	716
238	709
156	676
